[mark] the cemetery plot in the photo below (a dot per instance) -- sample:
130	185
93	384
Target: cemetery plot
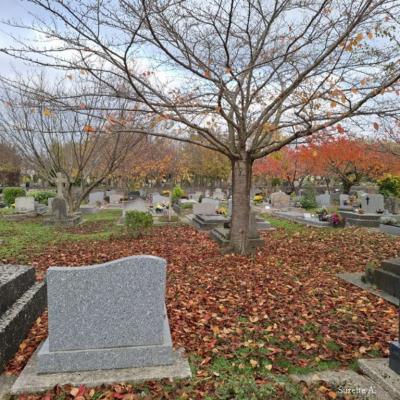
219	306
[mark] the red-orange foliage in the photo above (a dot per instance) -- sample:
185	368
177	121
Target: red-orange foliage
289	165
351	160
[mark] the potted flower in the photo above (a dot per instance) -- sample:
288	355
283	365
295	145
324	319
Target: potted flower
336	220
322	214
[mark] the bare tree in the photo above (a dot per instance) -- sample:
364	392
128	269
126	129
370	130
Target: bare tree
79	141
247	77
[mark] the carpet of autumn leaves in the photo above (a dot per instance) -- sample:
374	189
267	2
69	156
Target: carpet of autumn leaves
280	311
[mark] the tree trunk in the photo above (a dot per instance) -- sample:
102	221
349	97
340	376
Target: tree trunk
241	183
346	184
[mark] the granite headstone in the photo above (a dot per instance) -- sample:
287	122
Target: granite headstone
107	316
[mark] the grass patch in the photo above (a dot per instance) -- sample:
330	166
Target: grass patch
20	240
280	223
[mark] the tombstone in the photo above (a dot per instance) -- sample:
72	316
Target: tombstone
280	200
344	201
324	200
25	204
205	208
195	196
116	198
96	197
218	194
88	330
372	203
60	181
59	208
59	214
22	300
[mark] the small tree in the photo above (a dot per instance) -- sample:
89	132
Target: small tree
79	141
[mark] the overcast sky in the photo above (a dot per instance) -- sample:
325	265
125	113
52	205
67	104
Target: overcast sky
17	10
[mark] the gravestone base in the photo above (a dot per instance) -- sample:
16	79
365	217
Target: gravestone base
390	229
362	220
106	358
387	278
222	237
30	381
20	216
208	222
71	220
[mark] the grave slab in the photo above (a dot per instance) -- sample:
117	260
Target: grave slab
379	371
346	382
355	279
31	381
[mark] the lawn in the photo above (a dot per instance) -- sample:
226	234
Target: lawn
244	322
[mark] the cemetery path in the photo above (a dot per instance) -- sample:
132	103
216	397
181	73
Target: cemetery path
283	310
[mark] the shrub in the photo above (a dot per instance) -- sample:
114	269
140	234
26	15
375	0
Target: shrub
42	197
138	222
390	186
177	193
11	193
308	200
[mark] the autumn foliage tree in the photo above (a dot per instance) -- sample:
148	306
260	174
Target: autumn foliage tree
291	165
233	74
155	160
351	160
81	141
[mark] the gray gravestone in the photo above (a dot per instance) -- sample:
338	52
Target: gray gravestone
25	204
280	200
107	316
324	200
371	203
218	194
116	198
96	197
205	208
210	201
195	196
59	208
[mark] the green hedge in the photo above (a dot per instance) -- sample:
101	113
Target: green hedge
138	222
42	197
11	193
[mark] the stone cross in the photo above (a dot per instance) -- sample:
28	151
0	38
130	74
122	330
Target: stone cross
60	180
